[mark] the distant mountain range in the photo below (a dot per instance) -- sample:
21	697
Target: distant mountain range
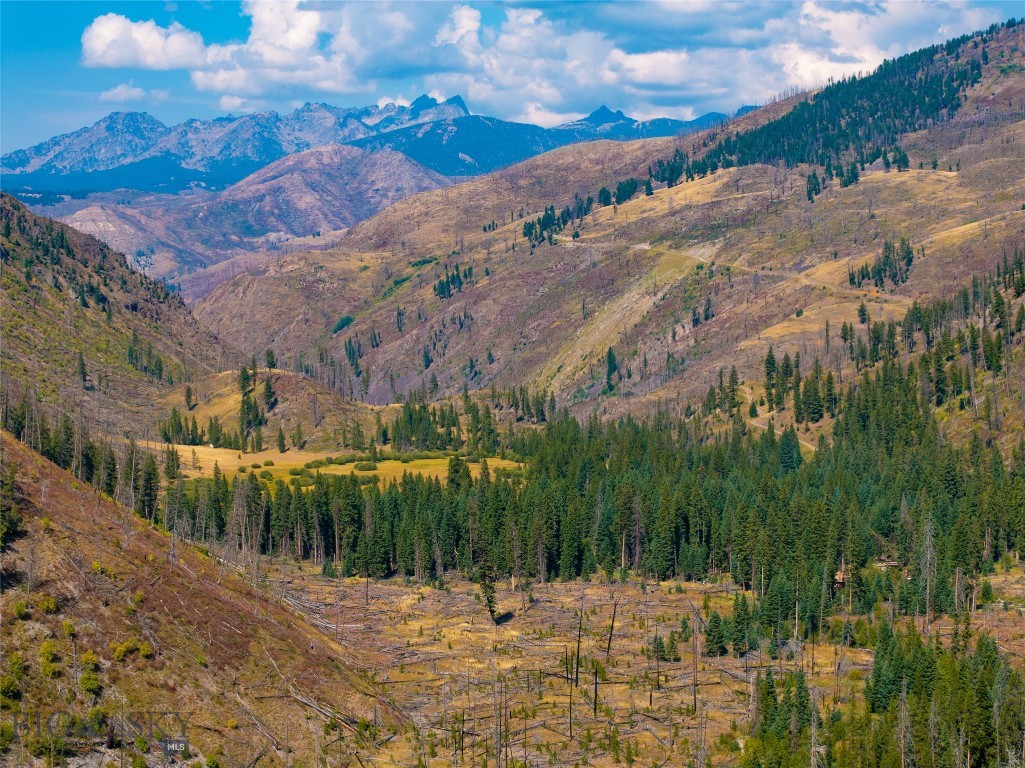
134	150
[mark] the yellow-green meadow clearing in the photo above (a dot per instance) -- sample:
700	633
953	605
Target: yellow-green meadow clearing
199	461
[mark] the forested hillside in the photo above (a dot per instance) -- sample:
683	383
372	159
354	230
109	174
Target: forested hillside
658	499
83	330
859	118
926	704
887	523
669	498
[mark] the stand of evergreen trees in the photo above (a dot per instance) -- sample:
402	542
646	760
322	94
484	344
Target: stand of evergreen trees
666	500
893	265
925	704
858	118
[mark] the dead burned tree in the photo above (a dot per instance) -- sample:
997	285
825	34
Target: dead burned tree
241	545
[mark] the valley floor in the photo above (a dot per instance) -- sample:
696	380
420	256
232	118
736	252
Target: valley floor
468	683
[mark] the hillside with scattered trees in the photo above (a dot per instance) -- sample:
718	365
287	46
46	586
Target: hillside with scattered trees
696	451
83	330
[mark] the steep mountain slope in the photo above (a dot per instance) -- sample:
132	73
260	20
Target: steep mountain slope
117	634
320	190
405	246
311	402
698	275
306	194
119	138
466	146
83	330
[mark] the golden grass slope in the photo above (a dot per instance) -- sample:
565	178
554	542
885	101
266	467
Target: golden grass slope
199	461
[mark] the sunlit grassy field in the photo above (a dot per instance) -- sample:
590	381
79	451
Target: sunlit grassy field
199	461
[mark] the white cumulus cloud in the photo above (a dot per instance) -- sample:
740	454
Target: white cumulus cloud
123	92
232	104
283	50
655	68
126	92
461	30
113	40
548	63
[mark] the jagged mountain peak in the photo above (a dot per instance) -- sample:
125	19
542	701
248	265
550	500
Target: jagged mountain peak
423	101
452	107
602	122
133	150
130	118
603	116
218	151
457	101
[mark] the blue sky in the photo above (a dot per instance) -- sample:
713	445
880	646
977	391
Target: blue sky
64	65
